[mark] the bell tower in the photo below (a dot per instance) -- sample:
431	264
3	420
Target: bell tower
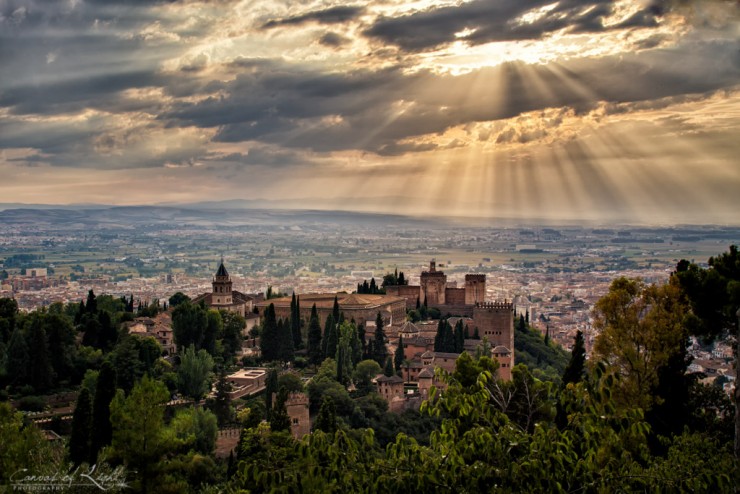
221	286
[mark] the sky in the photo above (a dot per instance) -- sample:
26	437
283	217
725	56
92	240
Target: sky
574	110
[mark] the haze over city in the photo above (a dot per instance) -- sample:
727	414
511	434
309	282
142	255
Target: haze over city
572	110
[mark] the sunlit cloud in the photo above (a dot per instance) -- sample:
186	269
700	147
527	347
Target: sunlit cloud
593	109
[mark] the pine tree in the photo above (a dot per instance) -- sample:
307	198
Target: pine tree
105	390
79	440
381	352
398	357
315	351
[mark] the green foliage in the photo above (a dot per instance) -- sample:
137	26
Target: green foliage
576	366
291	382
194	373
178	298
398	356
23	446
641	328
233	325
189	323
379	349
327	419
314	343
222	404
531	350
196	428
269	338
80	438
331	338
102	429
279	419
365	372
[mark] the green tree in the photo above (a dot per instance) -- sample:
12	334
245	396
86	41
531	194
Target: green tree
285	341
140	438
331	338
178	298
189	322
80	437
40	374
639	328
327	419
197	428
222	403
233	328
279	419
398	357
295	321
714	297
194	373
315	352
365	372
271	389
214	330
18	357
269	339
576	366
380	350
388	369
23	446
102	429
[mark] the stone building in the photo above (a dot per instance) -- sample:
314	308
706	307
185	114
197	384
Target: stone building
436	291
362	308
297	407
224	297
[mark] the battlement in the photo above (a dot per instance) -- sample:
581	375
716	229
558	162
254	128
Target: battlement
495	305
435	274
475	277
296	399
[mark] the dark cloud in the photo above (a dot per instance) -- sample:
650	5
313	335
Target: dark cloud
333	15
377	110
499	20
333	40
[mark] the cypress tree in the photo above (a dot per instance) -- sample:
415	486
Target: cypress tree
222	404
79	440
269	338
459	337
381	352
398	357
573	372
315	351
361	337
388	369
295	322
439	337
327	419
547	335
285	341
105	390
335	309
40	373
279	419
91	307
18	357
330	337
271	387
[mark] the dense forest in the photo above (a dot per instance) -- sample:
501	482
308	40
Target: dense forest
630	418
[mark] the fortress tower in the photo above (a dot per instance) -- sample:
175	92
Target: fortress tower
475	288
433	285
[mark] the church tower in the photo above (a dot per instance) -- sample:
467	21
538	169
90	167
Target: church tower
221	287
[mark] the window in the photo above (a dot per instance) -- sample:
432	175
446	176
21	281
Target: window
295	421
